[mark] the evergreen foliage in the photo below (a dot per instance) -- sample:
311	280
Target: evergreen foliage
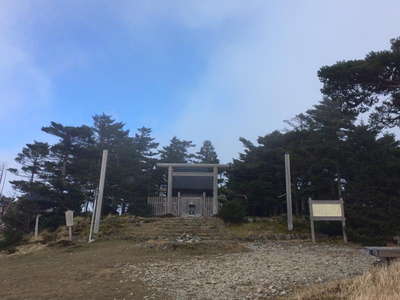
233	210
332	155
372	82
177	151
207	153
65	175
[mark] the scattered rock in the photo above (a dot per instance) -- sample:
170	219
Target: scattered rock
188	238
270	270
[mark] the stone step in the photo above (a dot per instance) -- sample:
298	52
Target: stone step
208	228
176	233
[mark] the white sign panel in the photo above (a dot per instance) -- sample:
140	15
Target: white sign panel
69	218
327	210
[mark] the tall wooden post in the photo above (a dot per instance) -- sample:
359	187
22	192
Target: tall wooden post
215	190
37	226
178	213
311	220
69	221
95	224
203	206
99	203
169	193
288	193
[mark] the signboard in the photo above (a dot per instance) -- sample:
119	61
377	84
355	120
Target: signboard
327	210
330	210
69	218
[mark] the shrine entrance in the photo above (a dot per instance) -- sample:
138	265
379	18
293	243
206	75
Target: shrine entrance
192	190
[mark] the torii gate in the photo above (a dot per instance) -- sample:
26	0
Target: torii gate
192	176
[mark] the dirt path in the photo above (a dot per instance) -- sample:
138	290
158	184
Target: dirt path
89	271
127	270
86	272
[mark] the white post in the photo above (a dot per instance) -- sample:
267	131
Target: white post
203	207
169	193
215	190
311	220
288	193
99	200
37	226
178	214
70	233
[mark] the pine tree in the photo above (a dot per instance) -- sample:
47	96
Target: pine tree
207	153
32	189
32	160
144	177
369	83
68	169
177	151
122	162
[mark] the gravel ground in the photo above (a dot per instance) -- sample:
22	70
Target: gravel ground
268	270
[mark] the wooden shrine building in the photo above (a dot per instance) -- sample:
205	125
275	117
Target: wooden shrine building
192	190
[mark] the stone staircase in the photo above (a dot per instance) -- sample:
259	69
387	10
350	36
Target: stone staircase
205	228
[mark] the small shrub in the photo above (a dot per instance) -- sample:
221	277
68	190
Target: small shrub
233	211
12	231
52	221
10	237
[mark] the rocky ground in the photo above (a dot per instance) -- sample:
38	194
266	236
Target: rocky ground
268	270
174	258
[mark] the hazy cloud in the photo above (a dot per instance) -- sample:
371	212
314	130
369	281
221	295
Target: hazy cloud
22	82
260	57
268	72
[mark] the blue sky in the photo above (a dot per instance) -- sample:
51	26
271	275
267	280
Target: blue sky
198	69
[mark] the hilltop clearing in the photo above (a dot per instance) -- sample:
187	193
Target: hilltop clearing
118	269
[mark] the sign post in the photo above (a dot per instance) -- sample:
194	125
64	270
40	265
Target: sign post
288	193
69	220
327	210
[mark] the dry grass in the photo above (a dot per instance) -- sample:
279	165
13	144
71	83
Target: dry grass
89	271
381	283
266	227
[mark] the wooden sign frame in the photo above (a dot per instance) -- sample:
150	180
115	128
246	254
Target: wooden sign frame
327	218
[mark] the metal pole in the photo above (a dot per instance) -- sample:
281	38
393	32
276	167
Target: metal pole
288	193
99	201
